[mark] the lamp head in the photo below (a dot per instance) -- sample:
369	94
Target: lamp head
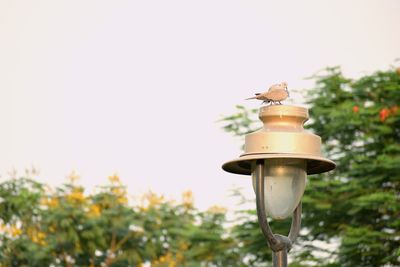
288	152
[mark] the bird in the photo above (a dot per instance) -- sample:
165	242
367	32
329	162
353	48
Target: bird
275	94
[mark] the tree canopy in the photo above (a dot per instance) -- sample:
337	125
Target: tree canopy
357	206
41	226
354	209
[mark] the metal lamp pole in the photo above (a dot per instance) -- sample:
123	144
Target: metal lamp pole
282	138
279	244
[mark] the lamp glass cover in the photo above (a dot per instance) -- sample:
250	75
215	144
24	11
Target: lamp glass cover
284	183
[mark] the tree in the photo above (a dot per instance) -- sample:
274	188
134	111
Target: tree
42	226
357	205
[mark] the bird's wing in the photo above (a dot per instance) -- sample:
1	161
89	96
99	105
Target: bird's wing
277	95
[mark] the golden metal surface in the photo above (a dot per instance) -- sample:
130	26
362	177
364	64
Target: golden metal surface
282	136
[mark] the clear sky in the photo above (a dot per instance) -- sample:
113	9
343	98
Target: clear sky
137	87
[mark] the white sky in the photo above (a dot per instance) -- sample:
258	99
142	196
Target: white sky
136	87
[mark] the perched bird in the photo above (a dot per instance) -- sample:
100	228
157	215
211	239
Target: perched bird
275	94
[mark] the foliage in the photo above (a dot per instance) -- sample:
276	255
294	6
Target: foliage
355	208
358	205
66	227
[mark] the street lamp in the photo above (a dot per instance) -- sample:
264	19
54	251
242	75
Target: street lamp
279	157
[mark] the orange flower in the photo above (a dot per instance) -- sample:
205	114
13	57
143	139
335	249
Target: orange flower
356	109
384	113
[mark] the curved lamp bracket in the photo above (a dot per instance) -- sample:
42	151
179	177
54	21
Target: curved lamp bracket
276	242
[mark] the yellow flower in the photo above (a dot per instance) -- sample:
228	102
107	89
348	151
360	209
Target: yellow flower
118	191
187	199
41	236
95	210
37	236
73	177
43	201
183	245
151	200
217	209
14	231
179	257
51	202
76	195
165	260
11	230
122	200
114	179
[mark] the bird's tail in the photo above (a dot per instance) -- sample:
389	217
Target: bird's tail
254	97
